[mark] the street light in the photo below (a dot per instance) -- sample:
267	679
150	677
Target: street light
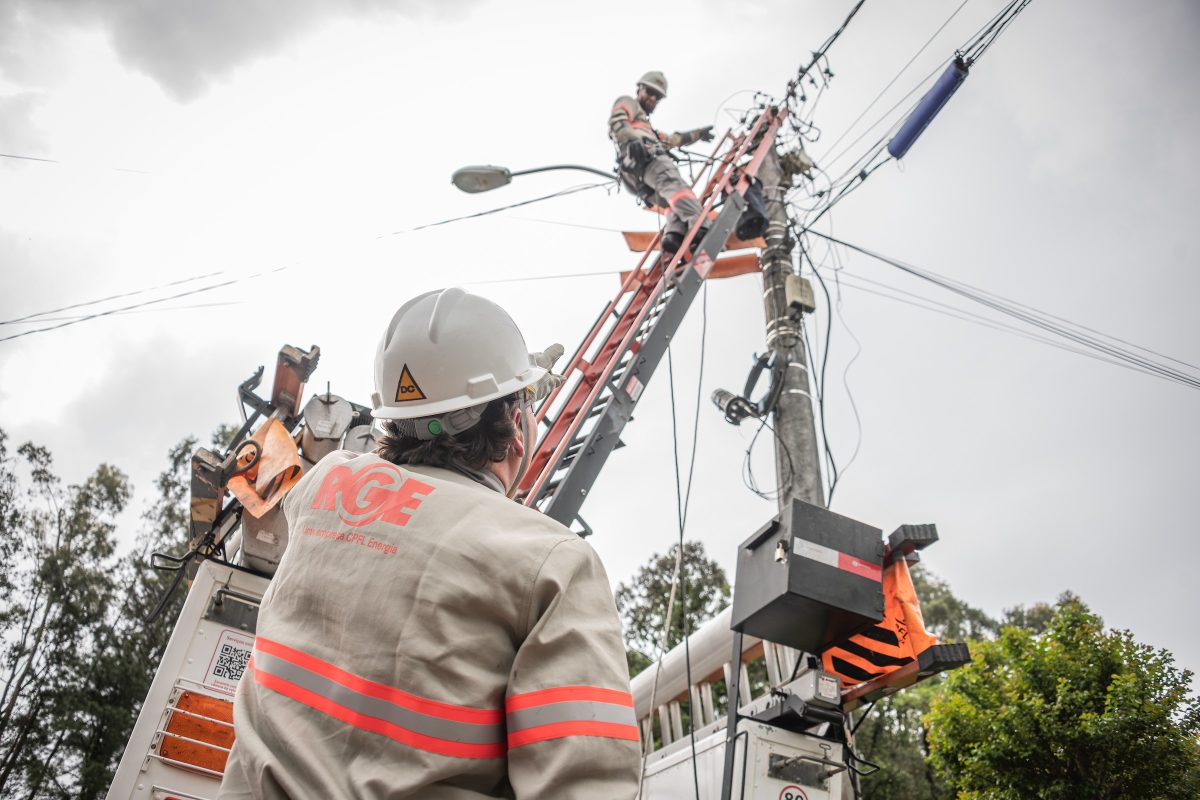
485	178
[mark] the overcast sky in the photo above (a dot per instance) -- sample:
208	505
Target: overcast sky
244	137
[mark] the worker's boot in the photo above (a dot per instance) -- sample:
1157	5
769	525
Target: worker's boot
671	241
700	234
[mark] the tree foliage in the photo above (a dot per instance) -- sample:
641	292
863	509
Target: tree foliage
642	601
57	591
893	734
76	654
1076	712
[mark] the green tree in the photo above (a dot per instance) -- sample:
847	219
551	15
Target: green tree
892	734
1076	712
642	601
57	589
129	649
946	616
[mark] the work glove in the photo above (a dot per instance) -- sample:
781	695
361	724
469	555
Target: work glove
705	134
550	381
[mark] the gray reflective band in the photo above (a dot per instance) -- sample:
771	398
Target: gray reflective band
450	730
570	711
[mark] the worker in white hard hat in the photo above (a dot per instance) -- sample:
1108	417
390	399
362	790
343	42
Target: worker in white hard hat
424	635
643	160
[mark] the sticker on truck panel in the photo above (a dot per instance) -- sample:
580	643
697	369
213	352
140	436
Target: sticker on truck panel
792	792
228	661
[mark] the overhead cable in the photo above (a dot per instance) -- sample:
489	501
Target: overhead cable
1033	317
73	306
896	77
239	279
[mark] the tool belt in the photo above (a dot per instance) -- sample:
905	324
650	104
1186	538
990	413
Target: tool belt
631	169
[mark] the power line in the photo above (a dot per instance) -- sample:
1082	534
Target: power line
896	77
56	161
573	190
953	312
1030	316
794	83
235	280
74	306
143	304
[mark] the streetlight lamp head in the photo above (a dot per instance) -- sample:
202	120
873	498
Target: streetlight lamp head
481	178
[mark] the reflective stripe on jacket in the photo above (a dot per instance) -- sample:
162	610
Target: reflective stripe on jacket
628	121
426	637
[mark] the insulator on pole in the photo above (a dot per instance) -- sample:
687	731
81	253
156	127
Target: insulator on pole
928	108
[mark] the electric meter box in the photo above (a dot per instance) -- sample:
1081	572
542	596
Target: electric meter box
808	578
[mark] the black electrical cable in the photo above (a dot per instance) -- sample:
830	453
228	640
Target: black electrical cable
971	52
947	310
143	304
974	49
748	467
56	161
866	712
562	193
896	77
822	50
858	181
1028	315
819	383
832	252
232	281
682	501
74	306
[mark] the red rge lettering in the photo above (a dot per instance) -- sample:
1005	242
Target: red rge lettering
376	492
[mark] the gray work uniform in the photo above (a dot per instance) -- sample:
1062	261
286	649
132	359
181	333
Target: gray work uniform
629	122
425	637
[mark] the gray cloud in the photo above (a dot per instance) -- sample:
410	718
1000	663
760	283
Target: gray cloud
183	45
18	132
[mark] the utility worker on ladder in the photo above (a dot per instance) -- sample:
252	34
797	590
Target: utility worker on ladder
644	161
424	635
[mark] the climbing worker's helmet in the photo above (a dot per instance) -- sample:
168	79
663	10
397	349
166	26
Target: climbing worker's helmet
443	357
655	81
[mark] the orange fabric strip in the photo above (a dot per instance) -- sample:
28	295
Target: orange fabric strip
388	729
560	730
681	194
433	708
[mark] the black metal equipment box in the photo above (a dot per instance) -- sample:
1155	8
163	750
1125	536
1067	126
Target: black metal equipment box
809	577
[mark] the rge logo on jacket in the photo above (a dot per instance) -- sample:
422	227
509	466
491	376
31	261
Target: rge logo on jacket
376	492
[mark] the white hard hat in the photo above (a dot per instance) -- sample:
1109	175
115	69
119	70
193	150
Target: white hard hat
448	350
654	80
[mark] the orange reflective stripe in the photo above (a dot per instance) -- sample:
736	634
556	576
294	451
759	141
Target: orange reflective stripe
430	725
564	711
478	716
640	125
561	730
682	193
375	725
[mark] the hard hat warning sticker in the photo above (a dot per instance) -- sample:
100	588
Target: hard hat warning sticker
407	388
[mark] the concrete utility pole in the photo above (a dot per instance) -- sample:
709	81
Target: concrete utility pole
797	463
799	476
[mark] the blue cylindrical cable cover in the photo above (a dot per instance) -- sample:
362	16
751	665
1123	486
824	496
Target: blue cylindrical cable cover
928	108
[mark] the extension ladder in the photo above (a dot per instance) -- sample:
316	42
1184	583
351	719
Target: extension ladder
581	421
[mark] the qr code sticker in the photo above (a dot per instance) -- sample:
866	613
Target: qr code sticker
229	660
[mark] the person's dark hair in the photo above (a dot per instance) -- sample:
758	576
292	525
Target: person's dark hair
486	442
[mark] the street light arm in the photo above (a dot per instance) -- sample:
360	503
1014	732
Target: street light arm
581	168
484	178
